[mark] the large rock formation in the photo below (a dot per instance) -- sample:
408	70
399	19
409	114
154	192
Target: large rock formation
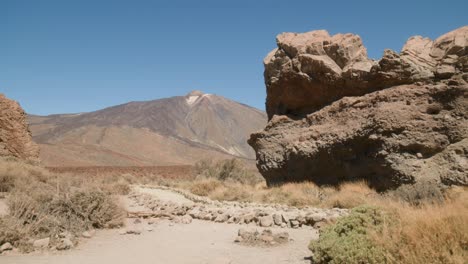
336	115
15	138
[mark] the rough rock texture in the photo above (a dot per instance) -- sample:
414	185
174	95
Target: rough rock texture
231	212
15	137
336	115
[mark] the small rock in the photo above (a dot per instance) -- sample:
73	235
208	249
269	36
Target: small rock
149	228
221	218
277	219
294	223
186	219
65	244
266	221
137	221
207	217
266	238
41	243
315	217
419	155
5	247
133	231
238	239
249	217
86	234
242	232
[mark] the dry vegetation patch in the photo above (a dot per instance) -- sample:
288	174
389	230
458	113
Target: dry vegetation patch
392	231
46	205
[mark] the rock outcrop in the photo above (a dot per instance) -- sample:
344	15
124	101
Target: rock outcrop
336	115
15	137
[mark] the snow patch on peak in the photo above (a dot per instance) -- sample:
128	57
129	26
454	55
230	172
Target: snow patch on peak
192	99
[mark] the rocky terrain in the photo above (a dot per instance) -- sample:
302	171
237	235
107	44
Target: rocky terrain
171	131
335	115
162	222
15	137
182	207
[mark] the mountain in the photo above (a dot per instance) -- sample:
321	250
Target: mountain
170	131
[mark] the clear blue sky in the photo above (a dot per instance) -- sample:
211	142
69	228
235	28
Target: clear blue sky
75	56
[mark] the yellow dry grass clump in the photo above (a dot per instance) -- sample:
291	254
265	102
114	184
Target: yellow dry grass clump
428	233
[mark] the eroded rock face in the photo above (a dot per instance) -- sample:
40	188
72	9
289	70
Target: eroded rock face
15	137
310	70
336	115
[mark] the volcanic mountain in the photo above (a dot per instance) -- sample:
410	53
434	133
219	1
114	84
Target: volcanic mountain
170	131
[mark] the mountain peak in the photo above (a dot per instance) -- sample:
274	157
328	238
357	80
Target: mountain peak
195	93
192	97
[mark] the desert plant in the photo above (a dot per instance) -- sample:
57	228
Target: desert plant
42	204
348	240
419	193
227	170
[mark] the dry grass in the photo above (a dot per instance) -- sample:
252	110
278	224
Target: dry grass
302	194
428	233
42	204
404	233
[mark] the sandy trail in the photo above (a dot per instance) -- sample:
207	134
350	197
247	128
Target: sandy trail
198	242
164	195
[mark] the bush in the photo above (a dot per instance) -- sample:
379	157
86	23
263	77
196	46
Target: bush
398	232
42	204
348	240
227	170
419	193
204	187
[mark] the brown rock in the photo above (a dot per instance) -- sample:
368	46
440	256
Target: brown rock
310	70
388	133
15	137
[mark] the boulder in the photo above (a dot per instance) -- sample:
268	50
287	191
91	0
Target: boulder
5	247
335	115
64	244
41	243
186	219
15	137
266	221
311	70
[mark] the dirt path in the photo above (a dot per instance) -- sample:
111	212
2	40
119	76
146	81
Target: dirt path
198	242
170	242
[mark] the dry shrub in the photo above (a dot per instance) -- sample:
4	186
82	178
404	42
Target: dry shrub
42	204
204	187
428	233
294	194
409	234
419	193
349	195
227	170
231	192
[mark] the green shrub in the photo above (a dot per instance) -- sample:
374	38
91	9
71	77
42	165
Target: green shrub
349	241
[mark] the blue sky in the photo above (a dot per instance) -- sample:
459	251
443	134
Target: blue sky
76	56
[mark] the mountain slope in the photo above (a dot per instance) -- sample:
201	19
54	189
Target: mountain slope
176	130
